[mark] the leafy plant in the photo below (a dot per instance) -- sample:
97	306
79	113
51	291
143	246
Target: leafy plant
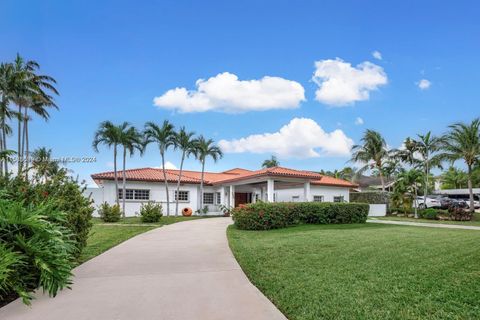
36	250
151	212
109	213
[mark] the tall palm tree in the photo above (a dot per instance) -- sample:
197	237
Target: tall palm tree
164	137
454	178
270	163
427	146
206	148
373	153
32	91
109	135
131	140
7	89
186	143
462	141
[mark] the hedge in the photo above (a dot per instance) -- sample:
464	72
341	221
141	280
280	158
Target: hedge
372	197
265	216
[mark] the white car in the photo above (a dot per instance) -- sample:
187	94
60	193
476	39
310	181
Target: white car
430	203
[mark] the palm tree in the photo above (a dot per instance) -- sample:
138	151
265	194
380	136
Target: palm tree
372	152
164	137
7	89
270	163
184	141
407	183
463	142
130	139
43	164
427	146
108	134
206	148
454	178
31	92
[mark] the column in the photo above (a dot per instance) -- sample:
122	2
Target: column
307	197
270	190
222	196
232	197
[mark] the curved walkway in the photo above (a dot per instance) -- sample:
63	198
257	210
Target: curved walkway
181	271
424	224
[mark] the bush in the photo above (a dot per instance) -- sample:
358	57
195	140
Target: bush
371	197
430	214
36	250
151	212
109	213
63	193
265	216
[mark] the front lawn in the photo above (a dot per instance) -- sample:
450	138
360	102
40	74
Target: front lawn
474	222
367	271
104	236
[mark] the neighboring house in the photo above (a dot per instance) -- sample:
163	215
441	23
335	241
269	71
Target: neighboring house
230	188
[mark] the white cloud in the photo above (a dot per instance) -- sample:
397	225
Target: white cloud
226	93
359	121
300	138
340	84
424	84
168	165
377	55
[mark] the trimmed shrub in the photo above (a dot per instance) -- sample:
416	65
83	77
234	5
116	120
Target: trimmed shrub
265	216
151	212
109	213
371	197
429	213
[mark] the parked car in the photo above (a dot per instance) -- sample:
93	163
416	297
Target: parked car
476	203
430	203
464	200
445	202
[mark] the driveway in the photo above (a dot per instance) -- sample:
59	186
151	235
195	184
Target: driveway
180	271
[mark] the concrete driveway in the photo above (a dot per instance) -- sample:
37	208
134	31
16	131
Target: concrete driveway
181	271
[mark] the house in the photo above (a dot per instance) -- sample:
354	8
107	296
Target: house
230	188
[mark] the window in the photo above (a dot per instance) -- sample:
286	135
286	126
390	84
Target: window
338	199
295	198
208	198
134	194
317	198
218	198
182	195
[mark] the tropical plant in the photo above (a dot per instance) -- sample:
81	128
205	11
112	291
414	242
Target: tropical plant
462	142
6	113
407	184
184	141
151	212
454	178
205	148
36	250
109	134
130	139
164	137
373	153
270	163
109	213
43	164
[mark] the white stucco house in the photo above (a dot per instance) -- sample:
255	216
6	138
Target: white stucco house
230	188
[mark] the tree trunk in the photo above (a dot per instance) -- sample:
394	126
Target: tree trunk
115	173
2	137
426	183
124	178
5	145
162	153
19	150
381	179
178	183
470	191
201	184
416	204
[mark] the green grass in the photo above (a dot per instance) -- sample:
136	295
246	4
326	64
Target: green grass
104	236
474	222
367	271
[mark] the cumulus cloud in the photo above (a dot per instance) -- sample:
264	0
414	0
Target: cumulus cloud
300	138
341	84
377	55
168	165
226	93
359	121
424	84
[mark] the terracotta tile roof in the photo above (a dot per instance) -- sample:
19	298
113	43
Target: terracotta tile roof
212	178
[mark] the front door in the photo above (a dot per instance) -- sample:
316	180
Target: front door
241	198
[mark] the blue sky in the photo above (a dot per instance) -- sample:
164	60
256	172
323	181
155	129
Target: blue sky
111	58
